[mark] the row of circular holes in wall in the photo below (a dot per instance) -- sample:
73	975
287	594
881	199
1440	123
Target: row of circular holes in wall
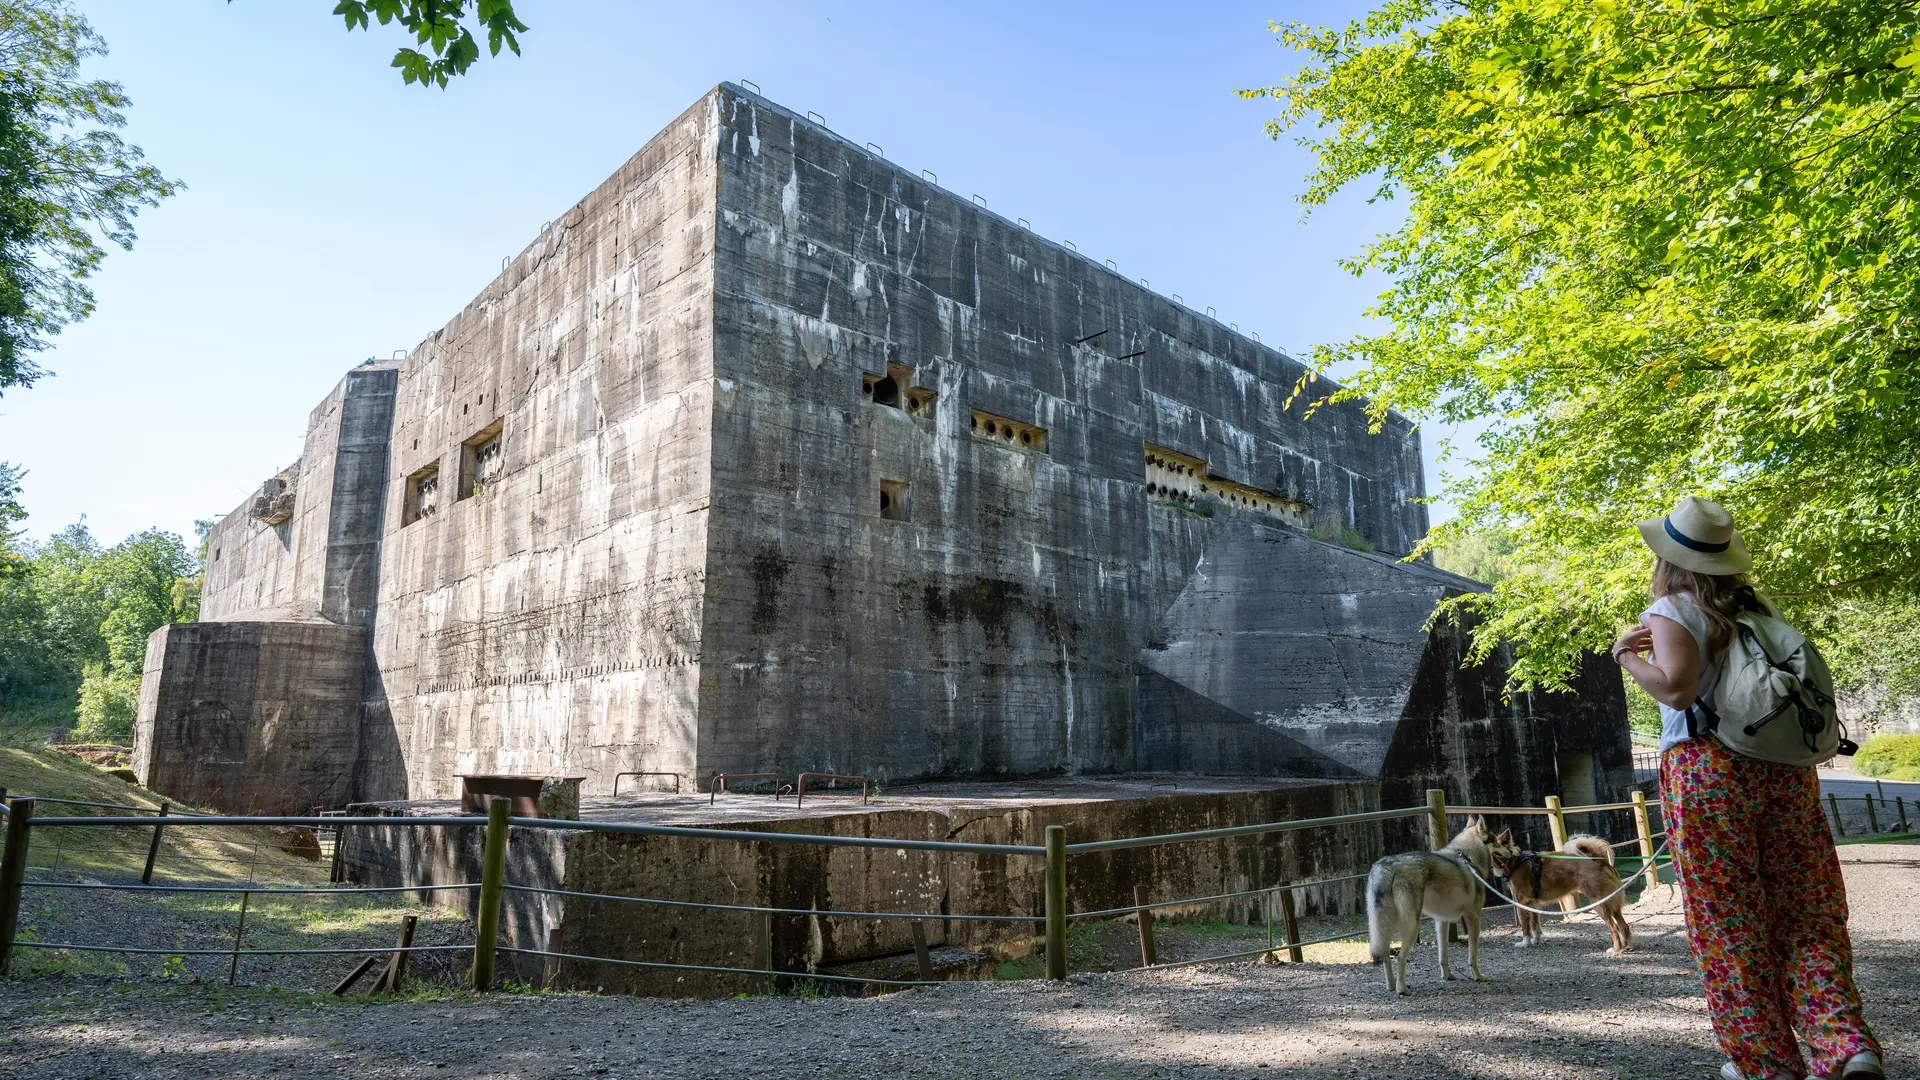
1188	470
1004	431
1224	496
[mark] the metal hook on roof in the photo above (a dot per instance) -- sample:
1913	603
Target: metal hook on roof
751	85
816	118
929	176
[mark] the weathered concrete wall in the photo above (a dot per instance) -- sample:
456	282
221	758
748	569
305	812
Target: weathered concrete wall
546	619
768	455
757	874
323	561
251	717
991	627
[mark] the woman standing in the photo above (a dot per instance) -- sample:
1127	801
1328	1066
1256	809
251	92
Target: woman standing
1766	907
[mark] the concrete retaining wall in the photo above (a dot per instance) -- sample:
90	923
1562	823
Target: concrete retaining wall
754	873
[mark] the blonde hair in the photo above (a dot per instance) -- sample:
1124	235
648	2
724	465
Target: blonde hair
1720	596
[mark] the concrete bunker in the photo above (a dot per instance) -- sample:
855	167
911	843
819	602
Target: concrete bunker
684	561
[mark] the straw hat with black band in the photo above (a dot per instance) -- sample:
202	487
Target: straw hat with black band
1698	536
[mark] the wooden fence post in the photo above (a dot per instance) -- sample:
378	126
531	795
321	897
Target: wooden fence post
921	956
493	874
389	981
239	930
763	951
1873	820
1833	803
13	871
1437	817
1056	901
1149	953
1643	829
1557	826
153	848
1291	923
1900	804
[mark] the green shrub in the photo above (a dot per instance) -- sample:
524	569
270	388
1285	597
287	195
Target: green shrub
108	703
1890	757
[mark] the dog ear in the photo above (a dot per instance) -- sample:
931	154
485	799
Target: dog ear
1479	824
1505	837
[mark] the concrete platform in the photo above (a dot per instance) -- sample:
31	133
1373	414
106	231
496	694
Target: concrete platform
938	884
963	799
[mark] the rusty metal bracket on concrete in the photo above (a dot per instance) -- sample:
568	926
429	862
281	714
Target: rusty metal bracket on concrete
719	785
617	776
801	795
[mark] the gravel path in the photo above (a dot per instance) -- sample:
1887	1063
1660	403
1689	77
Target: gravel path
1564	1010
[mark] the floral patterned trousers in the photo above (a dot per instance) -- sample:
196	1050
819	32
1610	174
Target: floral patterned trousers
1766	909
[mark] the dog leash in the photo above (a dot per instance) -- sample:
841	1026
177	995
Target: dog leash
1645	866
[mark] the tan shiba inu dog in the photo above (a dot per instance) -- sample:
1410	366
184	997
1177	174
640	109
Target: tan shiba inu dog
1537	879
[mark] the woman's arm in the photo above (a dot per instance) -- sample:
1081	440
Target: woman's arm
1675	680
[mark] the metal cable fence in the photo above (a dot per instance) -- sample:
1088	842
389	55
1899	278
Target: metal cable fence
486	898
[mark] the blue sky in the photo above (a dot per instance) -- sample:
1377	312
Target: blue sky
334	214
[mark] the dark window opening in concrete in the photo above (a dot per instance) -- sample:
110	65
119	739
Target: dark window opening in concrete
480	460
893	500
1014	433
881	390
216	554
423	495
895	390
1576	778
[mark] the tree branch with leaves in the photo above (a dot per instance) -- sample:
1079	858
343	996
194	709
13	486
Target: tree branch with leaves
439	27
1658	249
67	181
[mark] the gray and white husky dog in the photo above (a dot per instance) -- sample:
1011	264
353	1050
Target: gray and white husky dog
1437	884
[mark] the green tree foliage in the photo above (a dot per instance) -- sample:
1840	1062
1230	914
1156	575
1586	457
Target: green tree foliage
67	182
74	625
1479	555
1662	249
441	27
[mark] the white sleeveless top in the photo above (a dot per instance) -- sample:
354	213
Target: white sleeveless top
1681	608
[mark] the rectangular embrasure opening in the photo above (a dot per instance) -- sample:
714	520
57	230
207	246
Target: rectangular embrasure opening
423	495
480	459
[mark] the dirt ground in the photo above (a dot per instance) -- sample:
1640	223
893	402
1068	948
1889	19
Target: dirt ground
1563	1010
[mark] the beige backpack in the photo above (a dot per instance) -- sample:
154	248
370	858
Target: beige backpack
1774	700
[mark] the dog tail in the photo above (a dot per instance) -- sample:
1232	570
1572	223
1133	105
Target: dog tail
1589	845
1379	897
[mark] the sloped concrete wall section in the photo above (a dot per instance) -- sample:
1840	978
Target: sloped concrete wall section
769	455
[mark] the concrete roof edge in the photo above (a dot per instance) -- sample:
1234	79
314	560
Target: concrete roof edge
761	100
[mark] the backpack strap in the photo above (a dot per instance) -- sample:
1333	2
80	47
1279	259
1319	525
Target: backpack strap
1701	719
